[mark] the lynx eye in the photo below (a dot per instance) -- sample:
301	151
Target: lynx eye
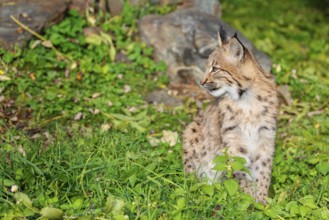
214	69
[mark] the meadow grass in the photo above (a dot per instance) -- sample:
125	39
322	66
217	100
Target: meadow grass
85	150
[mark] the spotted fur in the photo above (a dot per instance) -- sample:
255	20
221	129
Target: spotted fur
242	119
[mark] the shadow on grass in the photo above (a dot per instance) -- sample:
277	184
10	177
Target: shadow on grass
321	5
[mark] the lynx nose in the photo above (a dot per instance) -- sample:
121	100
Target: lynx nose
203	81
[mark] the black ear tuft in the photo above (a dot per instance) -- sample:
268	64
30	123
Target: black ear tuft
219	39
236	49
236	37
223	34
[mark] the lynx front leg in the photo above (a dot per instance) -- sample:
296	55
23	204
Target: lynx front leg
245	183
245	180
261	172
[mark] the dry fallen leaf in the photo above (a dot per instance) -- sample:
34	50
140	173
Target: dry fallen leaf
153	141
95	95
78	116
35	136
21	150
169	137
317	126
79	76
132	109
32	76
73	65
35	44
96	111
126	88
106	127
20	30
4	78
14	118
25	15
91	20
49	138
47	44
318	112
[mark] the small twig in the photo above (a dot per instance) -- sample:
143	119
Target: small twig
318	112
27	28
51	119
58	53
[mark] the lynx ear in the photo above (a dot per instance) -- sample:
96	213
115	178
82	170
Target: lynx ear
219	39
235	48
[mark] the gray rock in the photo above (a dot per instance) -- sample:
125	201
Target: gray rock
209	6
185	38
35	14
162	96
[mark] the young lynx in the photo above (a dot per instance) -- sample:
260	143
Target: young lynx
242	119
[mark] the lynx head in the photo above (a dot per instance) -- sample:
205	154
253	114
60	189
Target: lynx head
231	69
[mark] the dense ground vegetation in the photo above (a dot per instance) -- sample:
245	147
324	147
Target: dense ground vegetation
78	140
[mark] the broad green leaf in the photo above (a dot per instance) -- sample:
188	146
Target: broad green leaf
220	159
308	201
222	195
108	39
112	53
119	216
304	210
177	216
271	213
292	207
240	159
7	182
132	180
323	167
195	187
246	201
143	217
51	213
94	39
22	197
259	206
237	165
77	202
313	160
181	203
220	167
231	186
325	213
137	127
127	112
109	203
179	192
208	189
141	115
118	205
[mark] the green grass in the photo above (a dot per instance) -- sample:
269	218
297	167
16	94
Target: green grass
60	154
